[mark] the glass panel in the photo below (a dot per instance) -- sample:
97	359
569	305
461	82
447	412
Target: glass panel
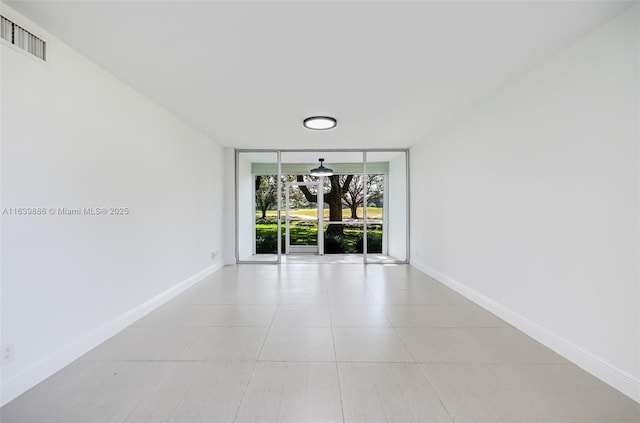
301	216
257	206
340	229
349	241
303	232
386	183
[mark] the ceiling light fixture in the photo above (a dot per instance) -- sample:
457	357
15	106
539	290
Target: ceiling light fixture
321	171
319	122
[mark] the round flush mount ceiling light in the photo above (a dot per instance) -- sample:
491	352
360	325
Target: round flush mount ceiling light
319	122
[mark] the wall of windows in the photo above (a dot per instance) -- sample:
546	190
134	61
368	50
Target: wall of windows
359	213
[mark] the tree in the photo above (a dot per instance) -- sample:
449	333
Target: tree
297	199
354	195
375	190
333	198
266	193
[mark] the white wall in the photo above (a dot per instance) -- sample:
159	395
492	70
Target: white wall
246	208
397	192
75	136
528	203
229	253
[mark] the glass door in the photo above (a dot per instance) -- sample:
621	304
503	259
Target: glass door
303	218
258	187
336	200
358	212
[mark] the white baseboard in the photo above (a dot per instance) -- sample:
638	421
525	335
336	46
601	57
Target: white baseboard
617	378
16	386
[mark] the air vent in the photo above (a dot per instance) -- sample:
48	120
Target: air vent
23	39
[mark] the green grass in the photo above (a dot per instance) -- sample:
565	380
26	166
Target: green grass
301	233
305	233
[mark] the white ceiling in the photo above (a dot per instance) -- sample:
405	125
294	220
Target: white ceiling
248	73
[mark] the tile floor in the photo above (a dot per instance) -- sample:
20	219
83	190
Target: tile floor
321	343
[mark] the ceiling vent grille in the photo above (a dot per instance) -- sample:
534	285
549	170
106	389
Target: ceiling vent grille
20	37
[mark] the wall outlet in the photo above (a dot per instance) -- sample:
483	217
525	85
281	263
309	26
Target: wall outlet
7	352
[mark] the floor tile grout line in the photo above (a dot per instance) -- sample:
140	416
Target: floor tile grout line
244	398
447	363
417	363
257	360
335	354
435	391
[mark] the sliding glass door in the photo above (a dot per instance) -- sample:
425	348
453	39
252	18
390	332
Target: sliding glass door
258	187
357	211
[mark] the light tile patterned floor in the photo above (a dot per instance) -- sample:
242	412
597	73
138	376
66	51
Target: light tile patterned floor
321	343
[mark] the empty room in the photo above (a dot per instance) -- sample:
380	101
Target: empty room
319	211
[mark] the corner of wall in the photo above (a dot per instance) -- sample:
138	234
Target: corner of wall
229	208
617	378
11	389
